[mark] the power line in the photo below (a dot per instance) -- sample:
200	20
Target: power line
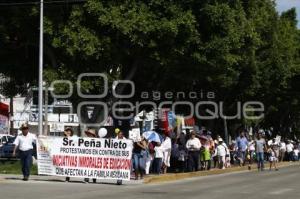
45	2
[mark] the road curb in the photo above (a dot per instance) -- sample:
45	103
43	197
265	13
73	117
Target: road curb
181	176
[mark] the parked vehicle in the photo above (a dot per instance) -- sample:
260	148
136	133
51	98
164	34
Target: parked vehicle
7	149
4	139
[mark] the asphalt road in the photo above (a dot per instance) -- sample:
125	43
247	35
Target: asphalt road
257	185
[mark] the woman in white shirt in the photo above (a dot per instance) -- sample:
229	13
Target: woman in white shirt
221	153
289	150
167	146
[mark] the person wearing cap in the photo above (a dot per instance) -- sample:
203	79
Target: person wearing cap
24	142
193	146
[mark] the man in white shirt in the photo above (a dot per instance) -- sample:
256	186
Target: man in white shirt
193	146
24	143
282	151
289	150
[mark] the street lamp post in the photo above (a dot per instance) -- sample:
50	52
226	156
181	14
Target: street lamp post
226	131
40	128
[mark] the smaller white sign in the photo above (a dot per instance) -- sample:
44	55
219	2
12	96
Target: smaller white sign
57	127
135	134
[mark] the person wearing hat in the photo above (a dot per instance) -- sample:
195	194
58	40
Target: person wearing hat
221	152
68	132
91	133
193	146
24	142
119	136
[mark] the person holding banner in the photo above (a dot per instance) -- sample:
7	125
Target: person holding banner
68	133
92	134
120	136
24	143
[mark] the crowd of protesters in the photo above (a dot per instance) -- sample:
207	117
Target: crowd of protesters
200	151
187	152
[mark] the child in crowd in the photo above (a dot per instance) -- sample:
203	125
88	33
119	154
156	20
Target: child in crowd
214	154
227	159
205	154
250	153
272	158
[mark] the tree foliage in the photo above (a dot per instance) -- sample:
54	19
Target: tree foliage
240	49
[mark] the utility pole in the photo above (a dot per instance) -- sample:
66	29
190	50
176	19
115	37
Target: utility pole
11	115
40	128
46	110
226	131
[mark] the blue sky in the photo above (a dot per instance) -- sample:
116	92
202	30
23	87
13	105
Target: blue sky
283	5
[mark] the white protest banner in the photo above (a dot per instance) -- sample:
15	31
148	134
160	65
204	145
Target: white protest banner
85	157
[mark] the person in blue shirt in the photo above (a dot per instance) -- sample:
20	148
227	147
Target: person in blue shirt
242	145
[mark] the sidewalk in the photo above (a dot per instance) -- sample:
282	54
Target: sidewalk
151	179
59	179
180	176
